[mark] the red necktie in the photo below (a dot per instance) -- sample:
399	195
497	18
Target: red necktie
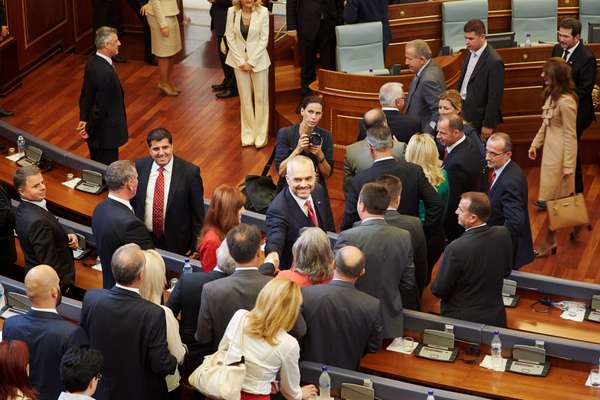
158	204
492	178
311	213
445	153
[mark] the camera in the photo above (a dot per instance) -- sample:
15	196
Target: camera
315	139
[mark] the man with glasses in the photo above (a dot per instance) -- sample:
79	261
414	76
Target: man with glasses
80	372
508	197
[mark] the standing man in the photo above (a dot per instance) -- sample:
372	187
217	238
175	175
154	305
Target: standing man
170	199
426	87
4	32
47	334
113	222
360	11
508	197
311	23
43	239
470	278
102	117
130	332
481	81
583	72
218	13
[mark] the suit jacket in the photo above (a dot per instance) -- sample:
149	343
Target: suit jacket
390	270
359	11
284	220
114	225
508	198
483	105
102	105
358	158
306	16
583	73
415	187
252	50
8	250
44	241
2	14
470	278
218	13
332	311
136	356
185	203
48	336
465	174
423	94
402	126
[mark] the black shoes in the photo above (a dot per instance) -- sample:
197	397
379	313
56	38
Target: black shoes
6	113
119	59
540	204
227	93
151	61
217	87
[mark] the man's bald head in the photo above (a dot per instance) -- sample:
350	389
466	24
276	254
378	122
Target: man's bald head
349	262
300	164
128	264
301	176
42	285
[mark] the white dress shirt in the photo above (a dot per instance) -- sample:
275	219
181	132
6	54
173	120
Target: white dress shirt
131	289
264	361
41	203
571	50
50	310
167	174
499	171
74	396
108	59
473	227
302	202
475	55
459	141
126	203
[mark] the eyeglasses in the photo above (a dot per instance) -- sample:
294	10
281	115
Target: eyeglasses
99	376
492	154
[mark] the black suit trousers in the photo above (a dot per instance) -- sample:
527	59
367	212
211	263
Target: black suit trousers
106	13
104	156
578	172
229	76
324	45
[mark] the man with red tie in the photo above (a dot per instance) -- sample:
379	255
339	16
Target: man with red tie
304	203
170	197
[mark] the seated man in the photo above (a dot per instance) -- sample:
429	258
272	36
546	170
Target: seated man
342	323
80	370
303	203
470	278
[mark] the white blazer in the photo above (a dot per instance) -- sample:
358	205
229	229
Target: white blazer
254	50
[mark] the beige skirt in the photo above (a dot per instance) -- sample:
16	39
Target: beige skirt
165	46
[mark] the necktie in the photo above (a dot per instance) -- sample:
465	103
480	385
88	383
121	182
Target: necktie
158	204
311	213
492	178
445	153
565	54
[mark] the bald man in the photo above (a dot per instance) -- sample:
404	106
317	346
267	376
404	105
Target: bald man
47	334
303	203
333	310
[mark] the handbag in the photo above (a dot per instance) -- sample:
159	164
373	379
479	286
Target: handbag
223	46
567	212
260	189
216	379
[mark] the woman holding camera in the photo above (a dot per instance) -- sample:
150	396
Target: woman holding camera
308	139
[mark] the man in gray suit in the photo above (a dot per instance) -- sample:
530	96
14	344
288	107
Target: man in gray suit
358	157
390	270
425	88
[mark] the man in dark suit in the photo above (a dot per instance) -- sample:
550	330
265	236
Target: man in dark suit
47	334
360	11
426	87
4	33
170	195
391	98
114	222
303	203
416	185
583	72
43	239
508	197
462	162
342	323
481	81
218	12
8	250
390	270
102	117
312	24
474	266
130	332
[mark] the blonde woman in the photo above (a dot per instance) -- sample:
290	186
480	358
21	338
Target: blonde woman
165	38
422	150
151	289
247	34
267	347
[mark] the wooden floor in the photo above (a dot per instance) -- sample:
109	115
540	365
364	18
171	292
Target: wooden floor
207	132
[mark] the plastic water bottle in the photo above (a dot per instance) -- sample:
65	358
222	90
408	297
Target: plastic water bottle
324	384
496	352
430	395
187	267
528	39
21	144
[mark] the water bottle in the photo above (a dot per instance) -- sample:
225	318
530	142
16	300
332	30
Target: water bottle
430	395
496	352
528	39
187	267
21	144
324	384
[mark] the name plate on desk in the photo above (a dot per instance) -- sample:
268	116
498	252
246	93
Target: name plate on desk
592	315
510	301
525	368
435	353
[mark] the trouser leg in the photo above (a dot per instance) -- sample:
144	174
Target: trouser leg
244	84
260	84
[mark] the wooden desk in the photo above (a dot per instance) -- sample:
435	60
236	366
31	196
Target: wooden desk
566	379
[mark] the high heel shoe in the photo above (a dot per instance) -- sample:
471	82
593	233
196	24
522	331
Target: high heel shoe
545	251
174	88
166	90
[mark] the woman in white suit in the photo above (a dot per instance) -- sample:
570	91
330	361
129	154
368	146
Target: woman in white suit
247	34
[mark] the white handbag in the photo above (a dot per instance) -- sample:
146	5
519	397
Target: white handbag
217	380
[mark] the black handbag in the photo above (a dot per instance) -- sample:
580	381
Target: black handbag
260	189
